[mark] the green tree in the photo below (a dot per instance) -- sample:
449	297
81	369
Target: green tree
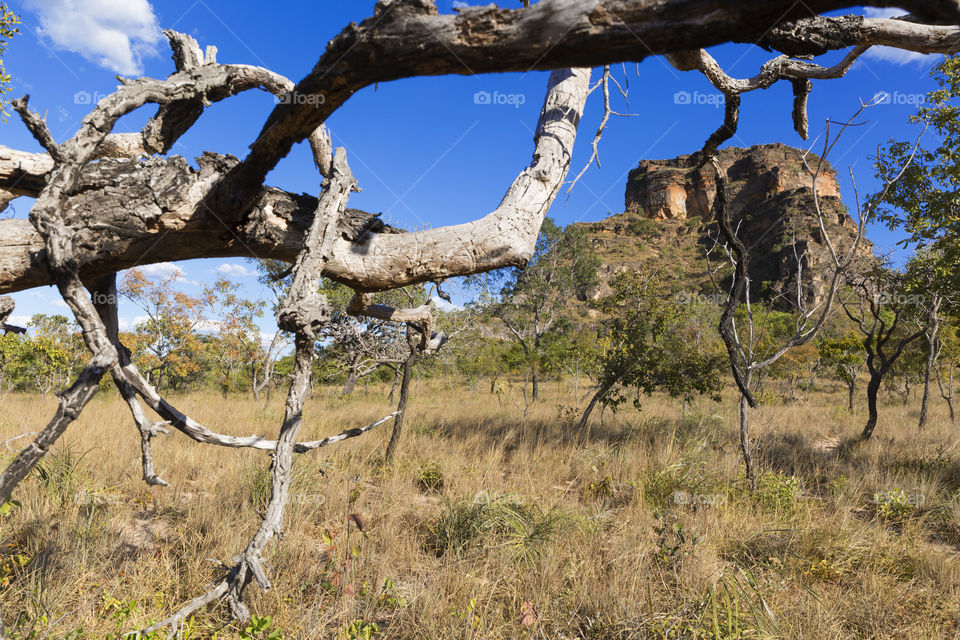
885	312
8	28
236	348
11	348
947	362
648	346
167	344
530	302
924	201
846	357
47	359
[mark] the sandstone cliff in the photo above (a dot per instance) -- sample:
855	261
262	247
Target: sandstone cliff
667	221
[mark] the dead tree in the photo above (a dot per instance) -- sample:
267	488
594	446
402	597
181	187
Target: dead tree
6	308
741	336
106	202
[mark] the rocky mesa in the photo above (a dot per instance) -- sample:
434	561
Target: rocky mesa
668	220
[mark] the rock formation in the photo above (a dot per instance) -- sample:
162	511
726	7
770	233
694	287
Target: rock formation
667	221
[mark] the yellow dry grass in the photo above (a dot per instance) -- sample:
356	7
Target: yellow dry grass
489	528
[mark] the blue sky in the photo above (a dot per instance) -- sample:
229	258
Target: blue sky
424	151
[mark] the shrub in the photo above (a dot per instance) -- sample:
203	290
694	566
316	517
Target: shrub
777	492
430	478
505	520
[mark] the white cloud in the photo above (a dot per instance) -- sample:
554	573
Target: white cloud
460	5
162	270
129	324
235	269
116	34
18	321
897	56
443	305
892	54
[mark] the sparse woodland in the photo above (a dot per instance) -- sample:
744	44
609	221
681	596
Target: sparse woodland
556	455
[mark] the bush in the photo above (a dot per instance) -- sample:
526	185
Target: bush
502	520
430	478
777	492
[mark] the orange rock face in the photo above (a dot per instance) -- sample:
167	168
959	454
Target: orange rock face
677	189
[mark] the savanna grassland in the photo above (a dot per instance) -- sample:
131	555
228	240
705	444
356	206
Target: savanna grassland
489	527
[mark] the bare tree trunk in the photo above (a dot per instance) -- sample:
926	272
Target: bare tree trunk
946	391
851	388
873	389
402	406
933	335
350	383
397	374
745	435
583	426
534	385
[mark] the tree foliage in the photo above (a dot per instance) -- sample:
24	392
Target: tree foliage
650	345
8	28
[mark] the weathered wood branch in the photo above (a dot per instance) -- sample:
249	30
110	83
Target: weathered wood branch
155	211
815	36
410	38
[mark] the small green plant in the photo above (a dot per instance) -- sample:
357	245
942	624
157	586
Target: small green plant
673	540
600	489
505	521
261	628
470	618
896	505
824	571
390	596
359	630
260	481
120	612
7	508
777	492
430	478
58	474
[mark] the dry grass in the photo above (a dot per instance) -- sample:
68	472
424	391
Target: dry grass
481	531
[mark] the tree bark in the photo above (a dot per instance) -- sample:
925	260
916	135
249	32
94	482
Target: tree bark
350	383
401	407
584	424
397	374
933	336
873	390
745	446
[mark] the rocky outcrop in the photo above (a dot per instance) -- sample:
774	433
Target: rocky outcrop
668	225
678	189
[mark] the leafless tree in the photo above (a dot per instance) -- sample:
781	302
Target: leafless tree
106	202
741	336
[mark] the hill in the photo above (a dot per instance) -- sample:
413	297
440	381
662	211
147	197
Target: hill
667	220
